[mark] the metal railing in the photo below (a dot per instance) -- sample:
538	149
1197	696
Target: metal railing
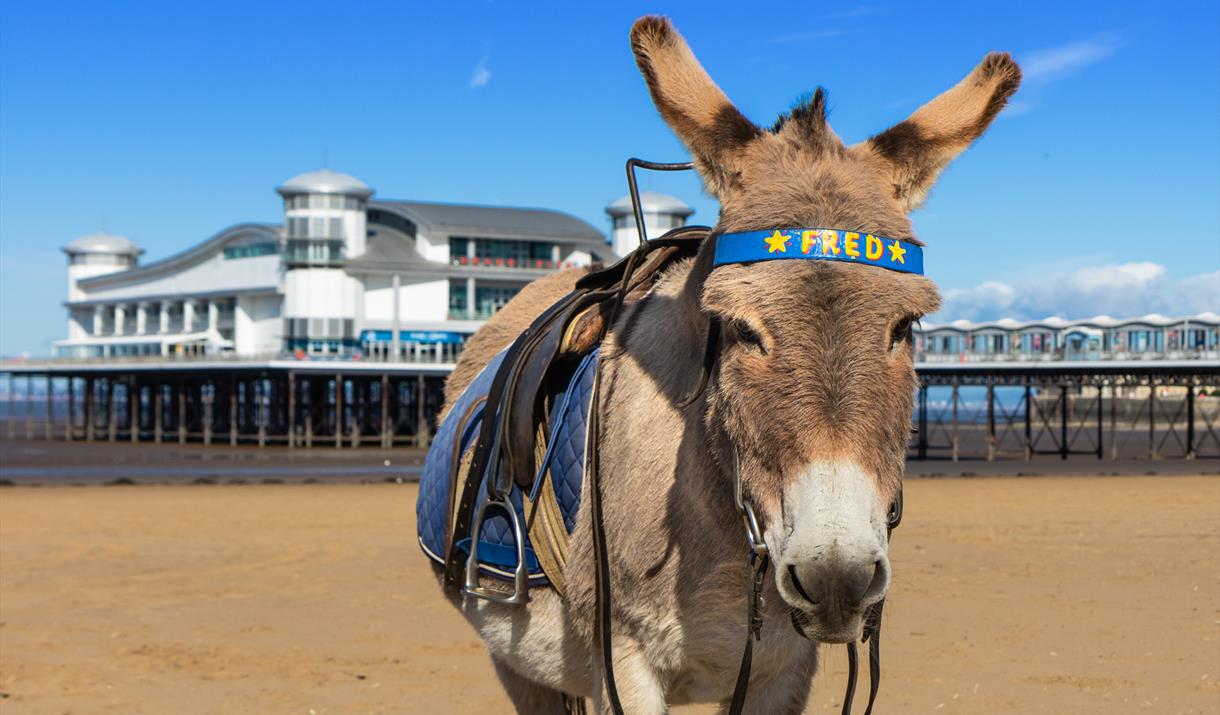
1061	355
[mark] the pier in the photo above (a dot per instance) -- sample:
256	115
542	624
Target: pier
1143	409
286	403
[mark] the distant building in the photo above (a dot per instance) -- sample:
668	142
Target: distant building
1151	337
344	276
347	276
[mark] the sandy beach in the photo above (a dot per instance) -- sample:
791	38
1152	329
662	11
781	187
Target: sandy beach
1051	594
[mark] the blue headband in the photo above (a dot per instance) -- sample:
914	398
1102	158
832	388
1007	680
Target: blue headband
819	244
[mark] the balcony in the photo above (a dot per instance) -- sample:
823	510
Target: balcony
511	264
300	252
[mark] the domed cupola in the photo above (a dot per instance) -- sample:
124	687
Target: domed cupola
98	254
662	212
325	213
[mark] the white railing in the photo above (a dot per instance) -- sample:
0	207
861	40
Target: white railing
1060	356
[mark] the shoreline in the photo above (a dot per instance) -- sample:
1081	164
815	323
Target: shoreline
29	463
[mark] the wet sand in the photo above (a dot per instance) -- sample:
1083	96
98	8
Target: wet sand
1050	594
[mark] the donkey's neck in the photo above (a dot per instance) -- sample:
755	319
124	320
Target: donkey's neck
658	455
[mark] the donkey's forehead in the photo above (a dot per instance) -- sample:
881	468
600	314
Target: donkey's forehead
785	183
808	287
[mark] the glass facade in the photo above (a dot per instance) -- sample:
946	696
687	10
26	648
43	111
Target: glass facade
324	201
251	250
487	300
313	252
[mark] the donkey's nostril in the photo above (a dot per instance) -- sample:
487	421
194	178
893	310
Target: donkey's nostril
879	582
796	583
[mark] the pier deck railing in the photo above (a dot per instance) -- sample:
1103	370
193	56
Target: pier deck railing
982	410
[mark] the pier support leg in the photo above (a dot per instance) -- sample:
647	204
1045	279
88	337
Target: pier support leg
209	400
260	408
133	409
1029	435
923	422
384	421
181	413
90	398
292	410
112	412
1190	421
29	407
1063	421
990	421
158	405
311	390
1113	422
953	437
70	431
1152	453
421	427
10	393
338	411
1101	395
233	385
50	408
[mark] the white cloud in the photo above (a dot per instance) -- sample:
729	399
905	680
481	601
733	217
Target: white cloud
1054	63
1118	290
1017	107
481	75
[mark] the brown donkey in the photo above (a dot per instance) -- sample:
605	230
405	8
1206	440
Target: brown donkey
811	395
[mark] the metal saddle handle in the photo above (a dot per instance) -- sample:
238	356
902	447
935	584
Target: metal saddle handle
520	592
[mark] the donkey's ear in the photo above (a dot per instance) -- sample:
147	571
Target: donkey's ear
917	148
704	119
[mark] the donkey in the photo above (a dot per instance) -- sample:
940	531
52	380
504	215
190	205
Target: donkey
809	400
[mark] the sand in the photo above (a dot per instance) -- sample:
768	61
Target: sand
1080	595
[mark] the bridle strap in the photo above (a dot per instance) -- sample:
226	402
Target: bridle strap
872	634
758	571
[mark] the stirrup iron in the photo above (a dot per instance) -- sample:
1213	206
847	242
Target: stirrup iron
521	586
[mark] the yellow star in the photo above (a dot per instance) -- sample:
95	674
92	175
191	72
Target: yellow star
777	242
897	253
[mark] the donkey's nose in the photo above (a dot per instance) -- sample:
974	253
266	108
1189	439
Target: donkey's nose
836	585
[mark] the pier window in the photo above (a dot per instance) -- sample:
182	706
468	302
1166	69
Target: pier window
458	307
489	299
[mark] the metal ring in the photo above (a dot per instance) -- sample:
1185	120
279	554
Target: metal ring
754	535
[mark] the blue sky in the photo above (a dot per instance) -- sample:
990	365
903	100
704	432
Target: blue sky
1098	191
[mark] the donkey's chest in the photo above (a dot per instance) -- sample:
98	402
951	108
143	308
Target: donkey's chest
709	669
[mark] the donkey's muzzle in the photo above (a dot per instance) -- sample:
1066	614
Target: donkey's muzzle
830	550
835	591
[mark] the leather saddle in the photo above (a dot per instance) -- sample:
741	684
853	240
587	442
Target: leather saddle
503	438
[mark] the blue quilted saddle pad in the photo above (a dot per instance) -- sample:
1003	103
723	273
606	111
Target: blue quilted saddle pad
564	457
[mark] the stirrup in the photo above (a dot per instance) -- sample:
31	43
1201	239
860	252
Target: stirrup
520	592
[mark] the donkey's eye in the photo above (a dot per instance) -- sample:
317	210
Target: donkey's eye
741	332
901	331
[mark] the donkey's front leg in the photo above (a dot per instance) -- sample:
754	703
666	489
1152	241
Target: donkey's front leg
639	689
